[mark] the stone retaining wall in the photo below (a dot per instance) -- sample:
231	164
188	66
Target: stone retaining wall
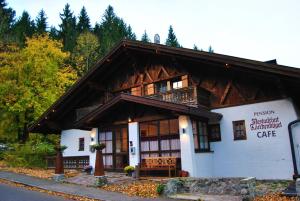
215	186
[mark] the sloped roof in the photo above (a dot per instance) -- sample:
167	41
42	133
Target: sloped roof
284	72
148	102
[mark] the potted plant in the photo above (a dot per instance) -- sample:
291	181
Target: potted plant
98	146
99	167
59	162
129	170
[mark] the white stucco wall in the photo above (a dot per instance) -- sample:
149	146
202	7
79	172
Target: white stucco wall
133	132
187	151
197	164
264	158
70	138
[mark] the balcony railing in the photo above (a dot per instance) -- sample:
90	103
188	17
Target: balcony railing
185	95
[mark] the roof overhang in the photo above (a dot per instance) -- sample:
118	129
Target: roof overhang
49	122
93	118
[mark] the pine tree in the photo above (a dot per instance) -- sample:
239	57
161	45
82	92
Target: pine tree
54	33
129	33
172	40
195	47
111	30
68	29
7	16
83	21
41	22
145	37
24	27
210	49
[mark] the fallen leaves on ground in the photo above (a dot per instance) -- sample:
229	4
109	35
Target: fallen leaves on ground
275	197
37	172
146	189
67	196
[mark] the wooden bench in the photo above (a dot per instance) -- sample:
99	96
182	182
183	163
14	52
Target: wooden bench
168	163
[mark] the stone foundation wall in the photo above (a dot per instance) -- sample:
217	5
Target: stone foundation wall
215	186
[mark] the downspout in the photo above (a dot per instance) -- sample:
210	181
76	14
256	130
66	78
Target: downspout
296	175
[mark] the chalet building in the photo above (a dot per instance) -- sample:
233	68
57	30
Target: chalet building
218	115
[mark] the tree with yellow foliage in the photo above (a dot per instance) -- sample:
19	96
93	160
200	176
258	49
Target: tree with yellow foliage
31	79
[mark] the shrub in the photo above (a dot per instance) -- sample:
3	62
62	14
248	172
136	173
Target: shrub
30	154
98	146
160	189
128	169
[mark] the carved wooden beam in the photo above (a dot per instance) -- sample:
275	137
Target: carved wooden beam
165	71
226	91
148	75
239	92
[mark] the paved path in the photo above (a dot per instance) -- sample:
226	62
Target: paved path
13	193
73	189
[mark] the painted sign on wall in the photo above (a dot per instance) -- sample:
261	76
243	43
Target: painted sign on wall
265	123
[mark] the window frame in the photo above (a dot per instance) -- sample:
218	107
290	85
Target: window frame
215	139
204	136
81	144
237	136
169	136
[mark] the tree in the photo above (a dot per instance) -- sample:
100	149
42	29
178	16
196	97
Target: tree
210	49
129	33
41	22
83	21
86	52
68	28
172	40
7	16
111	30
31	79
145	37
54	33
195	47
24	27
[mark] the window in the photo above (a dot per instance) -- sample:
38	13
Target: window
239	130
161	87
81	144
106	138
200	136
149	89
214	133
160	138
136	91
177	84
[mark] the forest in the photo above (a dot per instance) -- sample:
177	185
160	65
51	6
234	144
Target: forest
39	63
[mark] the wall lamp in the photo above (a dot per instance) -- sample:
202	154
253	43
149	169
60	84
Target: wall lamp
183	131
129	120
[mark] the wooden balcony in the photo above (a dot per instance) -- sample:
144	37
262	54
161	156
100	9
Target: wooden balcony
187	96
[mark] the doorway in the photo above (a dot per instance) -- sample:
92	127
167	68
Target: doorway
115	154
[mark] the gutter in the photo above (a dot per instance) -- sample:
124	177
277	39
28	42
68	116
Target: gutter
296	174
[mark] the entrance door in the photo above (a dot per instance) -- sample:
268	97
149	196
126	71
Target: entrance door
115	155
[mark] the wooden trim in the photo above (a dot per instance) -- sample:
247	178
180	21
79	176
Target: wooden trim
184	109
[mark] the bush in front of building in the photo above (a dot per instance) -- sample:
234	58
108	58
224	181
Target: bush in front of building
160	189
32	153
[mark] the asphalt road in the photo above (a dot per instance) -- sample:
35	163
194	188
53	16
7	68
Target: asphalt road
12	193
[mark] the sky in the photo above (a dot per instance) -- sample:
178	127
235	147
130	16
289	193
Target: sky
253	29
